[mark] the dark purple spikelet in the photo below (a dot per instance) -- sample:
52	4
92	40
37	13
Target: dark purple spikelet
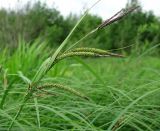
119	15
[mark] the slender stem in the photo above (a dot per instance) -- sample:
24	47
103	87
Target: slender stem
5	94
4	98
87	35
27	96
37	112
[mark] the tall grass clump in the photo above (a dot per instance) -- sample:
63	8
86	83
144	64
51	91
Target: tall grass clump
37	84
21	60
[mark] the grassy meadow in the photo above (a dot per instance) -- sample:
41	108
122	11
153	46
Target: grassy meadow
123	92
51	79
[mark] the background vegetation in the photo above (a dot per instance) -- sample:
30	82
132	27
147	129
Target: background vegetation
123	92
39	21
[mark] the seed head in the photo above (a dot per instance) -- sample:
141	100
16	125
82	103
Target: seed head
62	87
97	51
119	15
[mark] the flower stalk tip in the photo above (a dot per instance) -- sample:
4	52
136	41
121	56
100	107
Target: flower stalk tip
119	15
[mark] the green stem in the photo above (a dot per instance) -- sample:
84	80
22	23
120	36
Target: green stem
5	95
86	36
27	96
4	98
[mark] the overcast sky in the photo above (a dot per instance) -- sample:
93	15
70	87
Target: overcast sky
105	8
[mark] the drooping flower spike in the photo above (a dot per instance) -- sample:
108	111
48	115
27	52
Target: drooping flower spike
119	15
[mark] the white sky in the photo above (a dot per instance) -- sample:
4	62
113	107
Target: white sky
105	8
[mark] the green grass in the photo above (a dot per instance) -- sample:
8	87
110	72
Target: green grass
99	94
123	92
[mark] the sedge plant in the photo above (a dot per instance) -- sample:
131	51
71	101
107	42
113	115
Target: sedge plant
35	84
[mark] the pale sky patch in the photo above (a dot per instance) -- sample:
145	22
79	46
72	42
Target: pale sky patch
105	8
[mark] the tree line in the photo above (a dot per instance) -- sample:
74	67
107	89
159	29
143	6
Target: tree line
141	29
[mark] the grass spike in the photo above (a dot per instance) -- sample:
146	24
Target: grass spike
87	54
95	50
119	15
65	88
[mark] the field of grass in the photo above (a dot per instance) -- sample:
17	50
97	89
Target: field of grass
123	93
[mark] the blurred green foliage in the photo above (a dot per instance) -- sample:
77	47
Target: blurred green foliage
38	21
